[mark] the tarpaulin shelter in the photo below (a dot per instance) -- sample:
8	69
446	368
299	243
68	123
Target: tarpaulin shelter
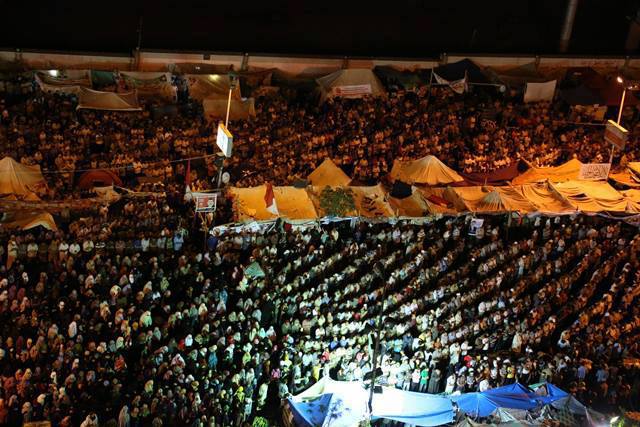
487	199
565	172
391	76
519	76
110	101
371	202
442	200
514	396
412	408
27	220
101	79
211	86
475	404
293	203
591	196
427	170
545	199
458	70
499	176
63	81
98	178
150	85
413	206
239	109
18	181
344	403
328	173
350	83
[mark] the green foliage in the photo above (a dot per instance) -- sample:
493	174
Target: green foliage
337	201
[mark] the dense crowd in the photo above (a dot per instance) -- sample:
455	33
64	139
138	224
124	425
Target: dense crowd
131	315
287	139
159	331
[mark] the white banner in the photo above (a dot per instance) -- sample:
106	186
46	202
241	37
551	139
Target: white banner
594	171
352	91
540	91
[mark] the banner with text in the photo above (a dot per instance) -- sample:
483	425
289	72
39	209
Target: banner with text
594	171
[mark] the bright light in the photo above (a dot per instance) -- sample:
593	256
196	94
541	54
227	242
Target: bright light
53	73
614	419
619	79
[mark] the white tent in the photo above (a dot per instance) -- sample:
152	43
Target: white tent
111	101
427	170
350	83
328	173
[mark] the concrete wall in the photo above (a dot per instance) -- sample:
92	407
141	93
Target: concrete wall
162	61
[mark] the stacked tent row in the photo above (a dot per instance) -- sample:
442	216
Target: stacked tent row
344	403
438	189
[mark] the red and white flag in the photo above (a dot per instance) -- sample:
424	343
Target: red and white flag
270	200
458	86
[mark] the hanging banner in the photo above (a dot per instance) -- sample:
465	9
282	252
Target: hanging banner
616	135
352	91
205	202
594	171
540	91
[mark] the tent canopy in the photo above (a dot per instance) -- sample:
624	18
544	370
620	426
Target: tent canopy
493	199
592	196
350	83
19	181
521	75
495	177
29	220
457	71
328	174
111	101
293	203
565	172
428	170
211	86
413	206
239	110
371	201
391	76
98	178
150	85
544	198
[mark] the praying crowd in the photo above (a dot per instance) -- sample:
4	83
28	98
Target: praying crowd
132	314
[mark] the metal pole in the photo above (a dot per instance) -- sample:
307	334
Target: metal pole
226	125
613	147
567	27
430	83
226	121
376	350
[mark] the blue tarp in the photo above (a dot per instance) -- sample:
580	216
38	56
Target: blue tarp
412	408
553	394
475	404
513	396
311	413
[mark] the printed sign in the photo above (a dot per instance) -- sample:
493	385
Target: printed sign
352	91
224	140
616	134
594	171
206	202
476	224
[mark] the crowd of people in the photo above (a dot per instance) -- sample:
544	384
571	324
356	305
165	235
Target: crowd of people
287	139
157	330
132	315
